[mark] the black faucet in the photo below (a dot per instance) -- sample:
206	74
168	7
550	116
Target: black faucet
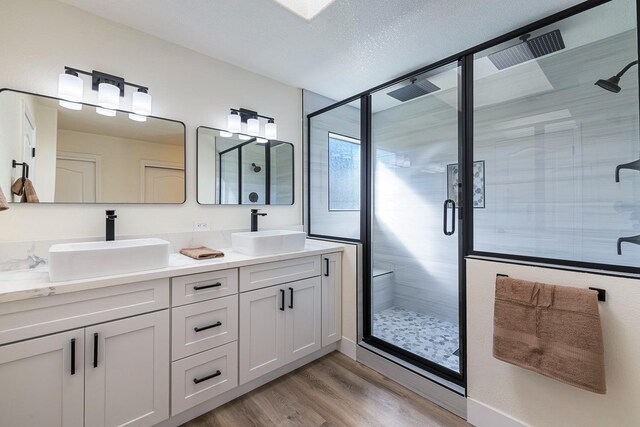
111	225
254	219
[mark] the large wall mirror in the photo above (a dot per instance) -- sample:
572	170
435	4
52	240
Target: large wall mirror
79	156
241	170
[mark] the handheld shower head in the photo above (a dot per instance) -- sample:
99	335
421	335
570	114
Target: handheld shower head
612	83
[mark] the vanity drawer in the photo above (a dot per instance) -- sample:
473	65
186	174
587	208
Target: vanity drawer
203	286
204	325
54	313
275	273
199	378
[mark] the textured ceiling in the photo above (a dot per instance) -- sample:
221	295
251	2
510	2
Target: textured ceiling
349	47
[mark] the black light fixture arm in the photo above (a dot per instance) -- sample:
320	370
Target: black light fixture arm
98	77
248	114
626	68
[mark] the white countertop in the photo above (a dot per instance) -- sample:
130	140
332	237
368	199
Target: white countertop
24	284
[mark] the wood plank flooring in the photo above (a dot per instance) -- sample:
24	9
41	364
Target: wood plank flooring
331	391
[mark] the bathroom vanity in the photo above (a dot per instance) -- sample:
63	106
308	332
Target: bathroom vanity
163	346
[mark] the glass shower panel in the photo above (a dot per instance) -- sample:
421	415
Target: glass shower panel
334	172
414	239
551	127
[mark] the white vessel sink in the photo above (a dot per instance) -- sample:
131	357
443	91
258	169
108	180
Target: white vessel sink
270	242
71	261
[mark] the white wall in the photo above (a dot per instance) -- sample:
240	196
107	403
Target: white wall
540	401
185	86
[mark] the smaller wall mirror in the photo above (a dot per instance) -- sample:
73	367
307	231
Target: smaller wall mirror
79	156
235	169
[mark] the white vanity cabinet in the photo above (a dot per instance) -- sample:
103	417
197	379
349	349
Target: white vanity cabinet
331	298
37	385
109	374
281	321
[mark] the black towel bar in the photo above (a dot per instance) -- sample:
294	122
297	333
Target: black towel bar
602	294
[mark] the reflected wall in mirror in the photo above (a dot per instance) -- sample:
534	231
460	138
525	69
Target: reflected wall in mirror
79	156
236	169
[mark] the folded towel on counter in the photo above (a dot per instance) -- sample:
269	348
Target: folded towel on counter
24	188
552	330
3	201
201	253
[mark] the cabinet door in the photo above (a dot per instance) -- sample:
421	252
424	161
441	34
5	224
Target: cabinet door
262	332
331	298
37	384
127	371
303	328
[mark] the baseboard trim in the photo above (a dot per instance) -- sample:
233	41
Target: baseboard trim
481	415
203	408
347	347
438	394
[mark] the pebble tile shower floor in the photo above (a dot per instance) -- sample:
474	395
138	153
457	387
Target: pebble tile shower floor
423	335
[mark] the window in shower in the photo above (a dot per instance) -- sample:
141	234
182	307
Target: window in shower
344	173
415	283
560	142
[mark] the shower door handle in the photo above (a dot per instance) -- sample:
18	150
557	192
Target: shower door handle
449	204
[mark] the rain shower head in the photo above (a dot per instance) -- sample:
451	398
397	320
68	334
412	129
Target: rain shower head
414	90
612	83
527	50
255	168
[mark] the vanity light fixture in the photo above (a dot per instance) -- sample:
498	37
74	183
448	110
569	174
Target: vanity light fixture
70	88
238	116
226	134
261	140
110	89
244	137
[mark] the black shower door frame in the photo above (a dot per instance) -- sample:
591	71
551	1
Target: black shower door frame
465	214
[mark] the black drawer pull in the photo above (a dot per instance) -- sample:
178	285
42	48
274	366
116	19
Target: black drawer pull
291	294
213	285
95	350
208	377
281	299
204	328
326	263
73	356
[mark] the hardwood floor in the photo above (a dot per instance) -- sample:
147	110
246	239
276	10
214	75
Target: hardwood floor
331	391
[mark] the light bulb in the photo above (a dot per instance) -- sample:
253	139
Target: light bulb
253	127
271	130
70	87
244	137
70	105
108	96
226	134
137	117
106	112
141	103
234	124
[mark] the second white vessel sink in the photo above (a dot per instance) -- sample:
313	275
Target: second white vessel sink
271	242
72	261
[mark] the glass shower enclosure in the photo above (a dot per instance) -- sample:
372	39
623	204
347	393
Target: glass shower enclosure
415	238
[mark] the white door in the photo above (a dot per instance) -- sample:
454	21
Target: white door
37	385
75	181
127	371
303	328
331	298
163	185
29	142
262	332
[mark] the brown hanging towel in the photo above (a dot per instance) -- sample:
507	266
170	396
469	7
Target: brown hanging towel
4	205
552	330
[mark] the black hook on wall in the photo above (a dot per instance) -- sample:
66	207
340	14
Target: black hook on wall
25	169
